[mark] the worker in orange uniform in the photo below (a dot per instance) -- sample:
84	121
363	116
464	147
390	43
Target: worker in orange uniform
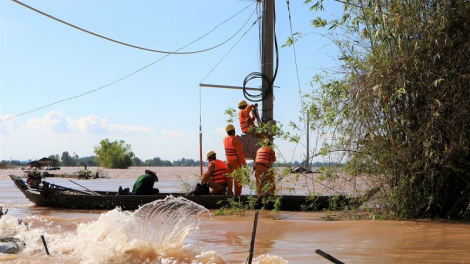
216	174
235	159
247	123
264	174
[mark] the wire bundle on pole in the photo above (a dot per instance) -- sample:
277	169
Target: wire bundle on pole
254	75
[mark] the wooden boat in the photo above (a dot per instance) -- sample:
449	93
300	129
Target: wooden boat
55	196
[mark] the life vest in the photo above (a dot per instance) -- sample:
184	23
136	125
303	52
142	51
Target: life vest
263	155
230	151
219	172
245	122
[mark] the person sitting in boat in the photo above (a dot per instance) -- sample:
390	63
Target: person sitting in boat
247	123
34	179
144	184
216	174
264	174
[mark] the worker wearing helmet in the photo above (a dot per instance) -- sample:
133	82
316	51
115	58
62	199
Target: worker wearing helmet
247	123
216	174
235	159
264	174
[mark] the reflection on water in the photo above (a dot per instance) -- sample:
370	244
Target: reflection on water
188	235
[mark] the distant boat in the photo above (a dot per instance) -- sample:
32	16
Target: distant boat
46	163
303	169
55	196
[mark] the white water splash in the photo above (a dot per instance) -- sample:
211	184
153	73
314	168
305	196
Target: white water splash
269	259
164	222
153	234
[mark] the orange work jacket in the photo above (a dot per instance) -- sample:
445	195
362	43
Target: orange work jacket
219	172
234	149
265	155
245	119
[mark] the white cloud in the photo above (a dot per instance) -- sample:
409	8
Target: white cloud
220	130
90	124
192	133
53	121
173	133
57	122
8	125
117	129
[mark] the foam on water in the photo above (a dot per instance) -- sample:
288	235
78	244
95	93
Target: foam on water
152	234
165	222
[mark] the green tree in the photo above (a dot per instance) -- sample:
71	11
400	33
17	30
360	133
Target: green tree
114	155
55	157
67	160
399	105
137	161
156	162
89	161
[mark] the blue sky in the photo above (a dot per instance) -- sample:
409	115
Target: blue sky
158	109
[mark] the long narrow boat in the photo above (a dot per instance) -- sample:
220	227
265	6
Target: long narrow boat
55	196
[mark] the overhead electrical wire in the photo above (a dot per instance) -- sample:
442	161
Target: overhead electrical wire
200	97
133	46
293	46
125	77
296	65
231	47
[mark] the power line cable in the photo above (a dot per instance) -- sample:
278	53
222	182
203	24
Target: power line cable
118	80
231	48
200	97
133	46
293	46
296	65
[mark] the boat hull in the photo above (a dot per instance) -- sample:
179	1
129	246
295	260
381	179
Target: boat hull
75	199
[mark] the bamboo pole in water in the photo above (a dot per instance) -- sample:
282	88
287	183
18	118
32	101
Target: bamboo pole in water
328	256
253	235
45	245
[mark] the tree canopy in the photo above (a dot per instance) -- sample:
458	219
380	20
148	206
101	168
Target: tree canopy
67	160
399	105
114	155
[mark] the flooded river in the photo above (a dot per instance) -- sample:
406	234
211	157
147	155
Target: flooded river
199	236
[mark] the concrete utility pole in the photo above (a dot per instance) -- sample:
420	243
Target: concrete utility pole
267	60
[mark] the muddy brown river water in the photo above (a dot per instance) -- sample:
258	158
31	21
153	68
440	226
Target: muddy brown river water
91	236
